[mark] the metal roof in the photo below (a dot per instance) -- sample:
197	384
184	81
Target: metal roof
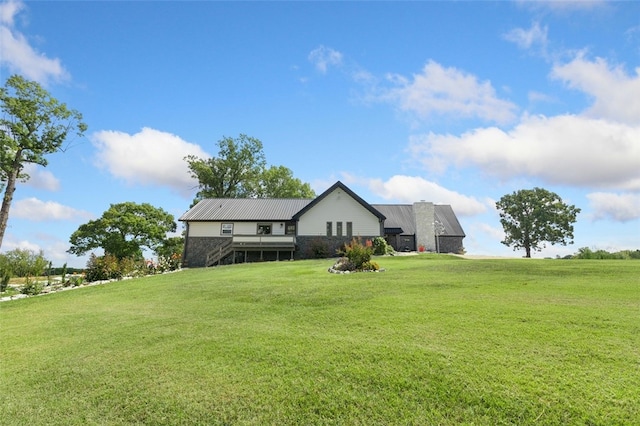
249	209
401	216
445	215
398	216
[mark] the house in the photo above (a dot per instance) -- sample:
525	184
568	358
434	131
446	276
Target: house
220	230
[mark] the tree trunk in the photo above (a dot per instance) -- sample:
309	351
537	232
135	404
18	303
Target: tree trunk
12	177
527	250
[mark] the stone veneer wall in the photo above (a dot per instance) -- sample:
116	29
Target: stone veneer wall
333	244
450	244
197	248
424	213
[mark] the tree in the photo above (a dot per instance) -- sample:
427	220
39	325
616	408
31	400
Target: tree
278	182
531	217
235	173
33	124
239	171
124	230
172	246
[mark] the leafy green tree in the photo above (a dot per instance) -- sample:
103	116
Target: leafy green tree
531	217
170	247
239	171
278	182
124	230
33	124
234	173
23	262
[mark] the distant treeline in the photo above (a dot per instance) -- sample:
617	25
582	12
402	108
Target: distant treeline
68	271
587	253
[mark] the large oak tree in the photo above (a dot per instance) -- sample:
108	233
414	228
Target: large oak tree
33	124
533	217
124	230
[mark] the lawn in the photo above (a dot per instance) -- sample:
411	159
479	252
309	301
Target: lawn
432	340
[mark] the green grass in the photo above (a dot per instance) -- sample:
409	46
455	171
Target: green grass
433	340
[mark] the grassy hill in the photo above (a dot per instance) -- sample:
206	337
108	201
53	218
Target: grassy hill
433	340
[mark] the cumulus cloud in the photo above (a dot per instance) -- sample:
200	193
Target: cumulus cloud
618	207
409	189
616	95
37	210
565	149
149	157
40	178
323	57
446	91
18	55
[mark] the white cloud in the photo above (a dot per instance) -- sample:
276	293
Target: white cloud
19	56
618	207
37	210
565	149
563	6
41	179
616	94
149	157
409	189
534	37
324	57
8	11
447	91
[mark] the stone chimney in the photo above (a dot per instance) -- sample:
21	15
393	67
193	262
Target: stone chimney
424	215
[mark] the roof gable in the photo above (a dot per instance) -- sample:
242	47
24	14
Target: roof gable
343	187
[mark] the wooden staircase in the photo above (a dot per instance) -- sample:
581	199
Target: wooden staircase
219	253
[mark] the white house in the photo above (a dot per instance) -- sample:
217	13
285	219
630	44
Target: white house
222	230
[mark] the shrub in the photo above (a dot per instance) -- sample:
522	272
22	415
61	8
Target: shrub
103	268
31	287
357	253
318	249
381	247
76	280
370	266
5	276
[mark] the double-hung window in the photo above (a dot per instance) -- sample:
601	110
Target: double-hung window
226	229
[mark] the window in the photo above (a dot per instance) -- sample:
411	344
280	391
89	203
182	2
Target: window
291	228
227	229
349	229
329	228
339	229
264	229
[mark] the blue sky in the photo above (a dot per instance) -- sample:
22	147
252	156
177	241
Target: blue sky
451	102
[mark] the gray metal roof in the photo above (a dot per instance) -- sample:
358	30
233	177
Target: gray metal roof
445	215
401	216
249	209
398	216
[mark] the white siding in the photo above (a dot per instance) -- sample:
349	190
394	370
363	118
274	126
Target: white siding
214	229
205	229
245	228
338	207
